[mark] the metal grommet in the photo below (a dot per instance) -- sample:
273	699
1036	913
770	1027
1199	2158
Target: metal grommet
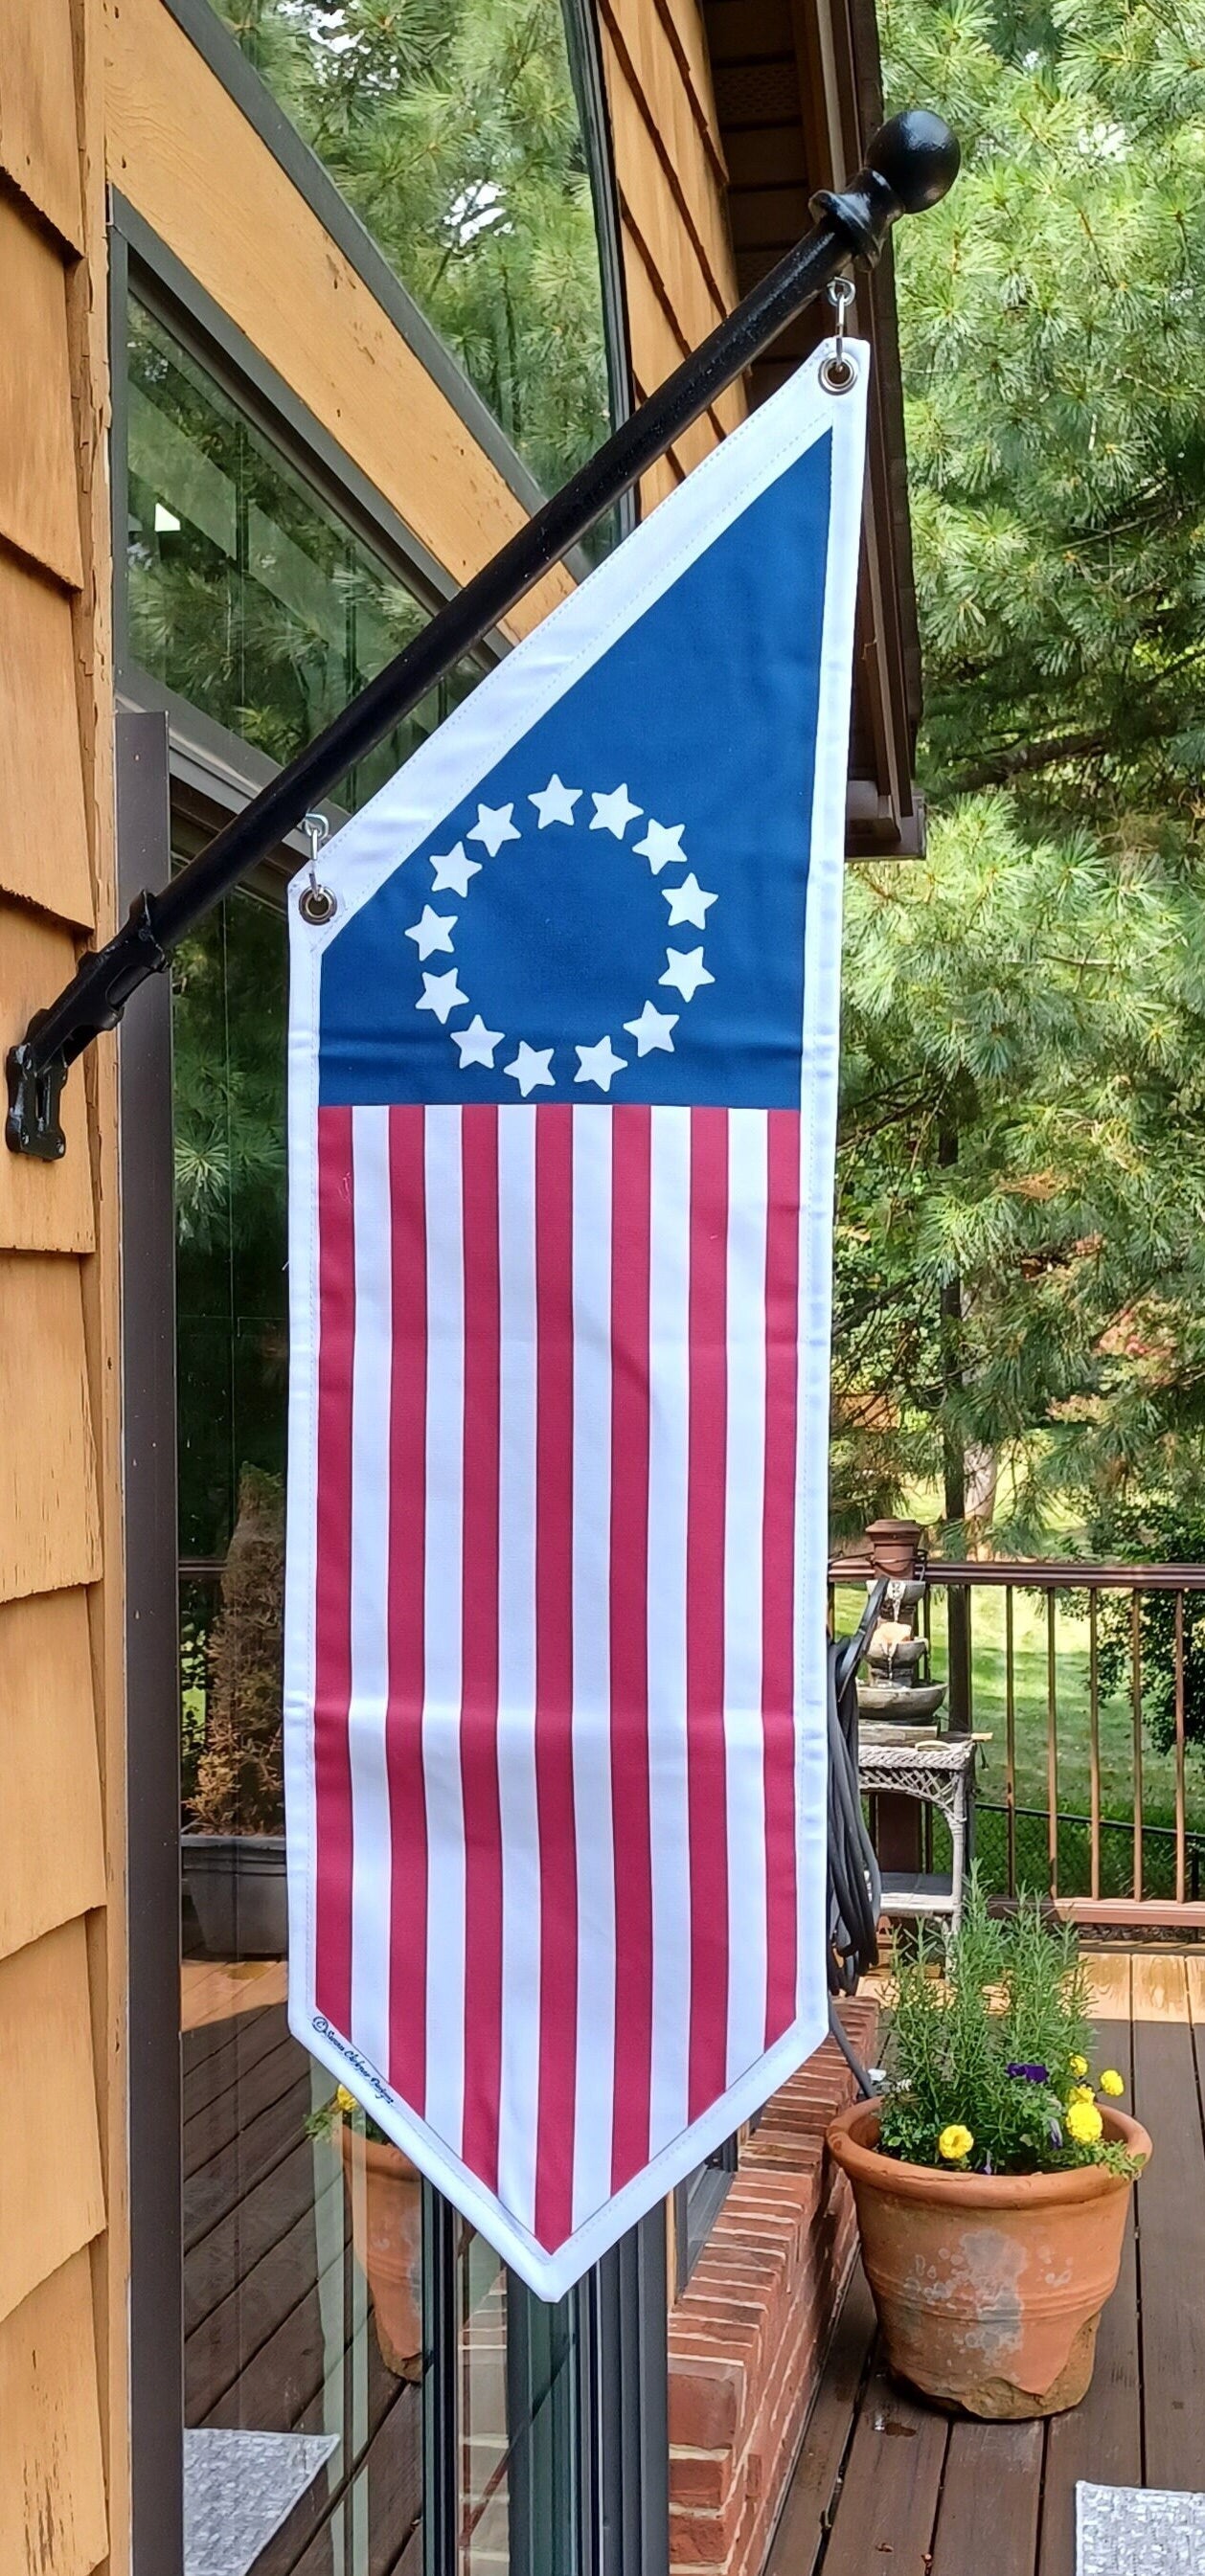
317	905
837	372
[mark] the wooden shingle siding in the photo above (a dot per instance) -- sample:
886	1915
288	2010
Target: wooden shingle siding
44	842
56	882
52	1861
49	1524
52	2495
39	144
46	2053
678	267
39	507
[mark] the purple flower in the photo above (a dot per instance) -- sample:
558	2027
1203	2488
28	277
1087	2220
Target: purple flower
1056	2134
1029	2074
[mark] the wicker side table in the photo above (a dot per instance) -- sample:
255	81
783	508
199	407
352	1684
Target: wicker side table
941	1774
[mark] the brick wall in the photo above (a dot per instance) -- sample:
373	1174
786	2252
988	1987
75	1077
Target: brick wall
747	2337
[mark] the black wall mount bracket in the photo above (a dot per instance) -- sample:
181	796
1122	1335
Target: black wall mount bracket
910	165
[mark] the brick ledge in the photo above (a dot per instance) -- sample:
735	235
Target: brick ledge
747	2337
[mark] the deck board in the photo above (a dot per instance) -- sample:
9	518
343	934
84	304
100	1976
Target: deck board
885	2482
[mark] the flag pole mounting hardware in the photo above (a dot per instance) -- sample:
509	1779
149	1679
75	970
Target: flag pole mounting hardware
838	372
317	904
910	164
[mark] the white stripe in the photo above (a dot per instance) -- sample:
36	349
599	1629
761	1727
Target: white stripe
744	1559
669	1426
516	1664
442	1618
592	1134
370	1586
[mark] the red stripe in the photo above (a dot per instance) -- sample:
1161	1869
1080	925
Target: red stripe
554	1675
332	1539
407	1573
479	1648
631	1132
706	1784
778	1577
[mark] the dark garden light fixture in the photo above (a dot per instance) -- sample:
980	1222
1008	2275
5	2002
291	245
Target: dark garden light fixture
910	165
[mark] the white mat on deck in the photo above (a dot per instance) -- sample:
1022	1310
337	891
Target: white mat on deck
1138	2531
238	2489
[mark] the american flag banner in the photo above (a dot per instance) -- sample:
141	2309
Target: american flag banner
562	1111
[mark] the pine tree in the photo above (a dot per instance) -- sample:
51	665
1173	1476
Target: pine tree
1021	1268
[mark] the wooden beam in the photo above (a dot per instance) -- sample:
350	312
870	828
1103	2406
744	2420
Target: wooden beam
183	153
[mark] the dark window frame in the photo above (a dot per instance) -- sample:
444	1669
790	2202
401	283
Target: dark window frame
168	749
251	94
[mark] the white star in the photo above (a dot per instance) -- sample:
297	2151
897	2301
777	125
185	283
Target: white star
477	1043
555	802
530	1067
493	826
441	994
599	1063
652	1029
688	902
451	873
685	970
433	931
662	846
613	813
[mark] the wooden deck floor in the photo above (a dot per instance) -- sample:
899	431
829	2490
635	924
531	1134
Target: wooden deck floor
887	2484
277	2334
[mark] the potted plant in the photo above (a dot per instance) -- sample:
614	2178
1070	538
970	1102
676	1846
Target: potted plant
386	2195
991	2182
233	1853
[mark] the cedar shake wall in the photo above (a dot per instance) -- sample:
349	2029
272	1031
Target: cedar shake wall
62	2393
679	275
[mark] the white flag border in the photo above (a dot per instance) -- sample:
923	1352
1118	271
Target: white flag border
355	863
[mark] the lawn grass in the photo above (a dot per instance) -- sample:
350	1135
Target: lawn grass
1072	1741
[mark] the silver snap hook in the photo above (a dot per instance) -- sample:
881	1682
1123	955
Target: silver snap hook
837	371
317	904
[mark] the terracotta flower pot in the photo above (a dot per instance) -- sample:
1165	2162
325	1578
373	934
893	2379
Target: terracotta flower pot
988	2287
386	2194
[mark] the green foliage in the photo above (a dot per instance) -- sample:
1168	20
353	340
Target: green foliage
1021	1249
452	128
990	2047
328	2119
240	1774
1167	1529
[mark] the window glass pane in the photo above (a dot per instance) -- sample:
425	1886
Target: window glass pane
247	595
304	2290
319	2360
452	127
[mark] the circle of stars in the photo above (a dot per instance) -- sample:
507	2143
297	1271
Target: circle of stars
688	904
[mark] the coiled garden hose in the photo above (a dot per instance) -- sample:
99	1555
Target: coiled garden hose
855	1887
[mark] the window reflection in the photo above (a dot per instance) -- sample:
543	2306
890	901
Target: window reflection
246	595
453	130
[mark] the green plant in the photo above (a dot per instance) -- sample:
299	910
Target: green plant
328	2119
987	2061
240	1784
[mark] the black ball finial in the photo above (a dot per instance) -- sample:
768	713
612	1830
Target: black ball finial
917	156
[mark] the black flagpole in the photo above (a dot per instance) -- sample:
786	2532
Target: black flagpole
910	164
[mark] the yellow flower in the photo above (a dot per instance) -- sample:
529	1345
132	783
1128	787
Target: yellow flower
1111	2082
345	2100
1079	2066
955	2143
1081	2093
1084	2123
